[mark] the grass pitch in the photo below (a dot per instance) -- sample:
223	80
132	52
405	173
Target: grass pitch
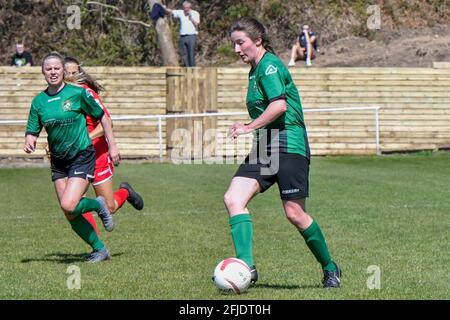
391	212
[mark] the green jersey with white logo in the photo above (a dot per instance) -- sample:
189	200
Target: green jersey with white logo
270	81
63	116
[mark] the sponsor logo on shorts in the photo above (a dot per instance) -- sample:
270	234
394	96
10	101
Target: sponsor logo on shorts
104	172
78	172
289	191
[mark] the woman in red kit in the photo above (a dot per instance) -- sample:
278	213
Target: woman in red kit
104	168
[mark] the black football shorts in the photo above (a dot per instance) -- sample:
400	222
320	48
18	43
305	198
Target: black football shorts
80	166
291	173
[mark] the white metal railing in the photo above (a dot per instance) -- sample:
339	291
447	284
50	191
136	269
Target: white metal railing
160	117
376	109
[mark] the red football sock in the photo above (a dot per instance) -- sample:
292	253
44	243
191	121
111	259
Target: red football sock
90	218
121	196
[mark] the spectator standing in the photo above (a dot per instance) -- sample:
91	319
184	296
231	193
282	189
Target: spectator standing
189	22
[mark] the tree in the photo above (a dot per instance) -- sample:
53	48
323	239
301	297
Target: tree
164	36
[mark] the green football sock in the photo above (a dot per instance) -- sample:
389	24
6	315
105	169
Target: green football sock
86	232
318	246
242	234
86	205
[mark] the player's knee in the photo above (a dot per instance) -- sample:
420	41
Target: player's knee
292	216
231	201
68	206
297	219
295	215
227	199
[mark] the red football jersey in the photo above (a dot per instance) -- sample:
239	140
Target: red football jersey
100	143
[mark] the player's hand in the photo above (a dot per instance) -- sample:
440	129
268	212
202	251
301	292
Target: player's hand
237	129
114	154
47	152
30	143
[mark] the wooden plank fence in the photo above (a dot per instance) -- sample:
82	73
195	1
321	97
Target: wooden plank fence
414	102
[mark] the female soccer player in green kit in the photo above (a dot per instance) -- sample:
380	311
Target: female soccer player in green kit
274	105
61	110
104	169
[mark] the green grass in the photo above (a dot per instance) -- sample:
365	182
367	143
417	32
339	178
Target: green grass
390	211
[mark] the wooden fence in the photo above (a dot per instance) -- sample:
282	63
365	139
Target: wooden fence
414	102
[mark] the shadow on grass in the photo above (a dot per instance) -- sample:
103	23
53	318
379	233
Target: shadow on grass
284	286
64	258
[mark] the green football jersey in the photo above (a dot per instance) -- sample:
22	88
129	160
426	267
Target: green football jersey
270	80
63	116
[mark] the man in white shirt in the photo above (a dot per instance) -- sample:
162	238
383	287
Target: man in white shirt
189	22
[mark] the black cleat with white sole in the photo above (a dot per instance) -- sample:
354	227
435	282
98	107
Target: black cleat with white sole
133	197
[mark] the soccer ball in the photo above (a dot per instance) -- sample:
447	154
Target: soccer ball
232	275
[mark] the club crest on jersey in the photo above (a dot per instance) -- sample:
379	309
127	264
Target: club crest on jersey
271	70
67	105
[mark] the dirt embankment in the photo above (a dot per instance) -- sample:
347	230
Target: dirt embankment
402	48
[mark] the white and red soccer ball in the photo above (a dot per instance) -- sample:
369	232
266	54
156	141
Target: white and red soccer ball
232	275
